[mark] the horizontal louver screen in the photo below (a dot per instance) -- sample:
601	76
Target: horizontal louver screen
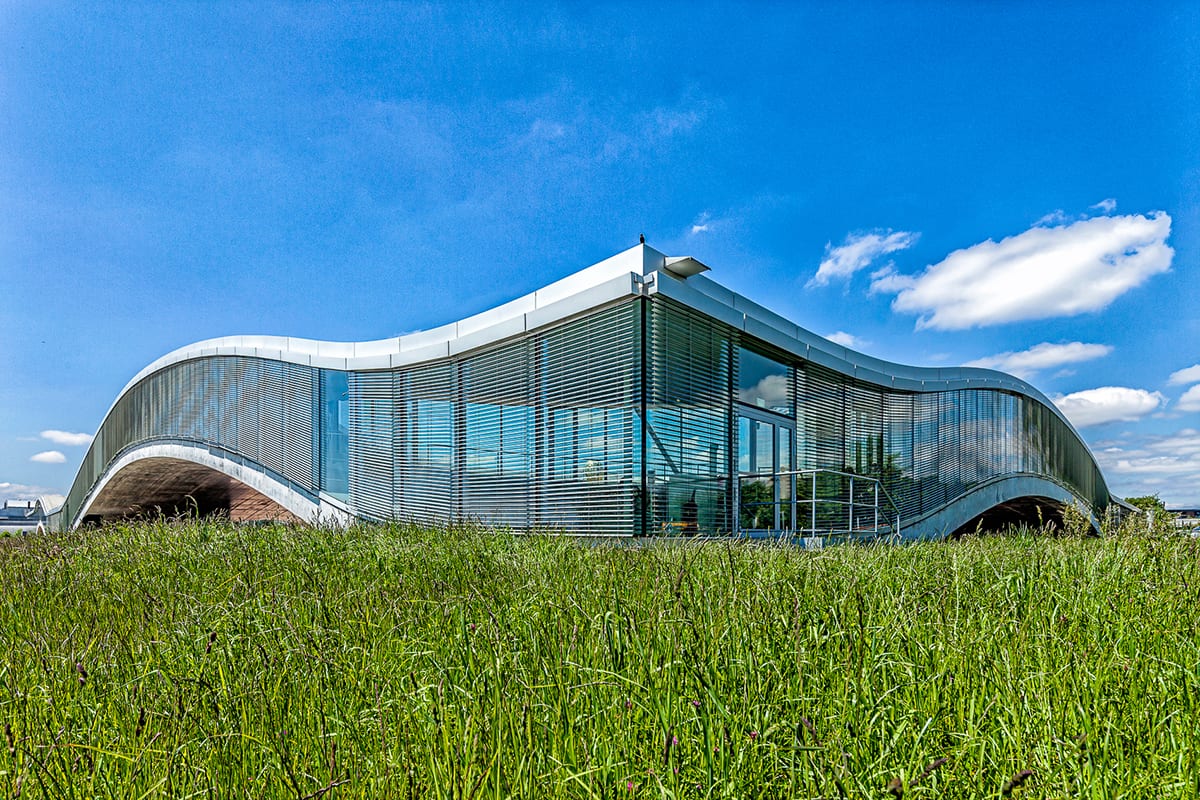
372	439
615	422
248	409
689	396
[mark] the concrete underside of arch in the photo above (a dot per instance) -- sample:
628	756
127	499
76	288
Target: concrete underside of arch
991	505
172	479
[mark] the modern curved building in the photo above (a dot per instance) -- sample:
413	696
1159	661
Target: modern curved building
636	397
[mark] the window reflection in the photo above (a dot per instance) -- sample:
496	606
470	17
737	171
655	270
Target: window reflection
335	433
763	382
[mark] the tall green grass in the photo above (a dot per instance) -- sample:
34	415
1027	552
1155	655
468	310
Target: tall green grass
199	659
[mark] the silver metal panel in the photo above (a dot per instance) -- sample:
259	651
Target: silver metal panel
418	355
379	347
634	261
335	349
767	333
483	337
686	293
586	300
501	316
422	339
765	317
380	361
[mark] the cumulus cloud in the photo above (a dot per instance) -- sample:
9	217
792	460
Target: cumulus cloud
1027	363
1165	465
66	438
48	457
22	491
1106	206
702	224
1108	404
858	251
1190	400
772	390
846	339
1185	376
1039	274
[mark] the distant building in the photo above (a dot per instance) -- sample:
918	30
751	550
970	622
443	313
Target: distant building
1185	517
28	515
634	398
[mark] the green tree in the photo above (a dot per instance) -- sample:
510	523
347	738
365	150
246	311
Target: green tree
1148	503
1158	519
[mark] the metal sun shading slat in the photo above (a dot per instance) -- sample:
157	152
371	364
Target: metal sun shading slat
372	416
229	371
249	396
587	377
497	436
424	443
207	427
270	415
689	409
299	411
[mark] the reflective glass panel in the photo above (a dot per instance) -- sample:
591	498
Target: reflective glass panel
763	382
762	446
335	433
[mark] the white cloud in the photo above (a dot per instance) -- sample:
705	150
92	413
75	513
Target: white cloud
702	224
48	457
772	390
1041	273
1108	404
846	339
1027	363
858	251
1106	206
66	438
1190	400
1186	375
1055	217
21	491
1165	465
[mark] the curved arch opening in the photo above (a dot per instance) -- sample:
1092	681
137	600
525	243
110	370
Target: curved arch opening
1033	511
172	486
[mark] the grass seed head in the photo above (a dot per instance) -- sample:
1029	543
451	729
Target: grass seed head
930	768
1016	781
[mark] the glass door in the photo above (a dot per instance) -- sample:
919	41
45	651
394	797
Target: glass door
766	485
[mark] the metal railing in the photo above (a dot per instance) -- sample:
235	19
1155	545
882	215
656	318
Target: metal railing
815	503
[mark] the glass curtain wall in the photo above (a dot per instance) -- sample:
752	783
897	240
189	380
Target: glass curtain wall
766	431
929	448
688	414
538	432
640	417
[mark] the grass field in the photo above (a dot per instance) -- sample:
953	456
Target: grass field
198	659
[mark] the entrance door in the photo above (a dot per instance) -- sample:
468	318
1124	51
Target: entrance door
766	483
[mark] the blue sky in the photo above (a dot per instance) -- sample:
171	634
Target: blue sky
1013	185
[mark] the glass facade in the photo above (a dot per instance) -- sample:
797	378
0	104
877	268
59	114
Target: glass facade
641	417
